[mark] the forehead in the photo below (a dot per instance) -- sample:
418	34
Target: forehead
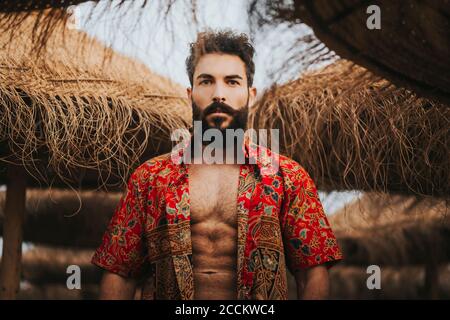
220	65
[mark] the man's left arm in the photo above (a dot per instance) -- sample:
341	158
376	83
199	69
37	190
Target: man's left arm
311	246
312	283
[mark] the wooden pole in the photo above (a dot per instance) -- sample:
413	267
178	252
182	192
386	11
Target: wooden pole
431	281
12	232
52	217
432	272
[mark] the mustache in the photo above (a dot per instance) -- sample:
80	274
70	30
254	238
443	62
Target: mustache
240	116
218	107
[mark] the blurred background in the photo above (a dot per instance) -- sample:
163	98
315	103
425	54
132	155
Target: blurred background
90	89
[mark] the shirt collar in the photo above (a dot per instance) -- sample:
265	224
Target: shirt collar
265	159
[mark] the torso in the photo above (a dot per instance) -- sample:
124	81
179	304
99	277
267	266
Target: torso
213	195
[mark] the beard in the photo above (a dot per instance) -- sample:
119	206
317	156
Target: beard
239	116
238	121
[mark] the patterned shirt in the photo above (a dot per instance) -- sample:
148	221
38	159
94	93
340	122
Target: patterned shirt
281	224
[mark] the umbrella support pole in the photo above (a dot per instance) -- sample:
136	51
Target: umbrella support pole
10	268
432	280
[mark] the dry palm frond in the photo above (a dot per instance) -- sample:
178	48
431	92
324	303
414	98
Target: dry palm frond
71	107
351	133
410	47
65	217
383	229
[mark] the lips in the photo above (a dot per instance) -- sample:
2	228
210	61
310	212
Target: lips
217	111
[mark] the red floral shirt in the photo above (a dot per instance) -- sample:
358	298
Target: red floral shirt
281	223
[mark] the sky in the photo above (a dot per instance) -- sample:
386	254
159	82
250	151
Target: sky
162	44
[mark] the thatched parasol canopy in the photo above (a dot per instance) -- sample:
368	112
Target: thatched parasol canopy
72	113
405	283
383	229
44	273
64	217
30	5
49	15
353	133
411	49
78	106
44	264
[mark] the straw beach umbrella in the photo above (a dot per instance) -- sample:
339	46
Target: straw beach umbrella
353	133
405	283
80	105
45	273
410	46
30	5
43	264
50	15
61	217
396	231
393	230
77	114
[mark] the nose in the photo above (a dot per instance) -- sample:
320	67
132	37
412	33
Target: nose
219	99
218	94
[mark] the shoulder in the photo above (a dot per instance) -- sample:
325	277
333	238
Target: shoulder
147	171
292	168
294	174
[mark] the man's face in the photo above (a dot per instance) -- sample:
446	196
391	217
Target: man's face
220	95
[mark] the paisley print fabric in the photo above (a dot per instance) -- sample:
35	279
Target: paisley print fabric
281	226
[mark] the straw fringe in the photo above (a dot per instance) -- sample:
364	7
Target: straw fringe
80	107
395	230
411	48
350	132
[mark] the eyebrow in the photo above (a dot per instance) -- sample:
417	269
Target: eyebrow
204	75
233	76
208	76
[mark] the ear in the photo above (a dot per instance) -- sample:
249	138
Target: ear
252	96
189	93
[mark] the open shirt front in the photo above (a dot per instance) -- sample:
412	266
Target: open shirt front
281	223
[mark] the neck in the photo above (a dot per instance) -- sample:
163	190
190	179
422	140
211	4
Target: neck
207	154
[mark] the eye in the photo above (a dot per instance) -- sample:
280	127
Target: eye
233	82
206	81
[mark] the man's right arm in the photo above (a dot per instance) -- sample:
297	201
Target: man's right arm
123	252
115	287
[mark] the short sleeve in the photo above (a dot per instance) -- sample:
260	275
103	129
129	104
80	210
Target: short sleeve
307	235
123	250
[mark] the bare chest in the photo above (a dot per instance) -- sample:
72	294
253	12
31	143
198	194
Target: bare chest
213	193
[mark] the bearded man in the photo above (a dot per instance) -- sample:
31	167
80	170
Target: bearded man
202	230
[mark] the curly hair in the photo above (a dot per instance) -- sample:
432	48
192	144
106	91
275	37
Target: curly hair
225	41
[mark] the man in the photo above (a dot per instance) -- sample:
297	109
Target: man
194	230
